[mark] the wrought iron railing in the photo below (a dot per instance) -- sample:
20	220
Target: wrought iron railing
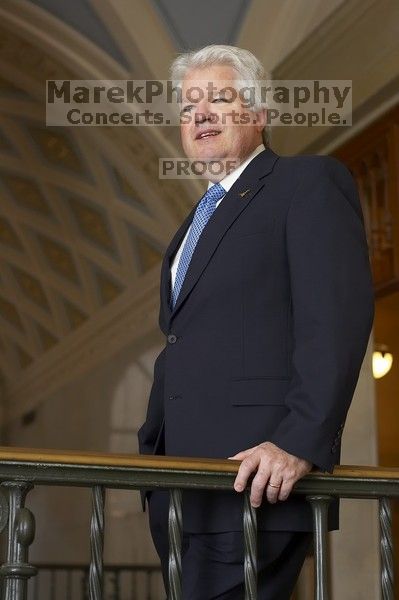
21	469
71	582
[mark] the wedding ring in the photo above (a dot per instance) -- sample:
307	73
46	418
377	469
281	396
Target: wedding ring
272	485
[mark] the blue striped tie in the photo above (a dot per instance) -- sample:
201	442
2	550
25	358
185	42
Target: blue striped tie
202	215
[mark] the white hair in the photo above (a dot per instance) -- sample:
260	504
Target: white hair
249	70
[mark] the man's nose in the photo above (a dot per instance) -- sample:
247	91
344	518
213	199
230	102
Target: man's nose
202	111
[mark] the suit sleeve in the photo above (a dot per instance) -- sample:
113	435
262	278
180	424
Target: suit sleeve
149	432
332	304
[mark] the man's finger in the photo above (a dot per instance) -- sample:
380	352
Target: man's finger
248	465
285	490
243	454
239	456
273	488
258	487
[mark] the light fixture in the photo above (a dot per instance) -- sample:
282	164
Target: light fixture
382	361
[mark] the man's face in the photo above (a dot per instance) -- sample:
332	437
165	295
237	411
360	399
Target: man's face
218	126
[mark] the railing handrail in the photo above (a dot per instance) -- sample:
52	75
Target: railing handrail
88	469
22	468
211	465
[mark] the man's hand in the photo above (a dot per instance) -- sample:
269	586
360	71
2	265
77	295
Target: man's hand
277	472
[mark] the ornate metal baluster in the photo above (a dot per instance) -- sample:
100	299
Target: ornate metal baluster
118	585
114	585
36	587
52	584
148	580
21	532
68	586
97	543
3	525
251	550
175	542
84	585
320	513
385	514
134	584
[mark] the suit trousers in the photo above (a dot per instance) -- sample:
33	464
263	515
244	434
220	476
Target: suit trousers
213	563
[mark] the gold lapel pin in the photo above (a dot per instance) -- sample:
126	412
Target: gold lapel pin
242	194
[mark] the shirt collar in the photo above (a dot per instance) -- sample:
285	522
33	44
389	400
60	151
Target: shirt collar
228	181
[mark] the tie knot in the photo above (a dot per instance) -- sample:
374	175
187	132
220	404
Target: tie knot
215	193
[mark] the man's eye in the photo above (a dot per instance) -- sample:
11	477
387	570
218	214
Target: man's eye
187	108
220	100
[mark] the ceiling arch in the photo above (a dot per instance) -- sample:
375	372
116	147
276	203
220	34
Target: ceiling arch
84	219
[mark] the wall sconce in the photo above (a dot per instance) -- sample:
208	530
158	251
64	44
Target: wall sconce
382	361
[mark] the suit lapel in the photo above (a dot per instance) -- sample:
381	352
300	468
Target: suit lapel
236	200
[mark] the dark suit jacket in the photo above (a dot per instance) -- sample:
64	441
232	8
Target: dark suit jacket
268	333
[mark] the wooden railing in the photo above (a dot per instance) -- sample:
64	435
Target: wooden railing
21	469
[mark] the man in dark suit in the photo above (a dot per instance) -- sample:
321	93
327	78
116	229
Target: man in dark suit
267	307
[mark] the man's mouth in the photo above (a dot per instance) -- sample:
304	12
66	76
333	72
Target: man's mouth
207	133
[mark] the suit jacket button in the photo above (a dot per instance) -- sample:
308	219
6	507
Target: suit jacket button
172	338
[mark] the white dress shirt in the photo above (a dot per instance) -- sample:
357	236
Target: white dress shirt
227	182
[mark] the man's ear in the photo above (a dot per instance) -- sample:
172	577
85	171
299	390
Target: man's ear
261	118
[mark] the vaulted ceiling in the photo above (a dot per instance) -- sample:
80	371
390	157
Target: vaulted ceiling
84	218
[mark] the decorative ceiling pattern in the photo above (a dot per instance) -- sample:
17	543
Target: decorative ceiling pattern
83	215
82	18
69	244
